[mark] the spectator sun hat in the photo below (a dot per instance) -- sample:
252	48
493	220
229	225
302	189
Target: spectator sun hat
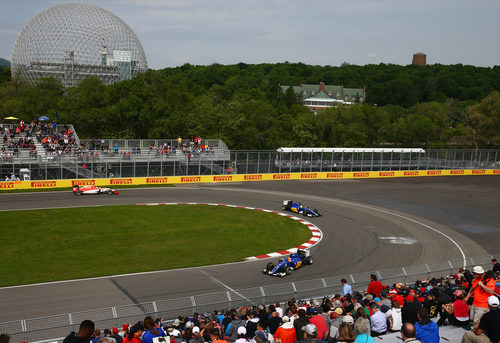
196	330
242	330
285	319
176	333
348	319
493	301
338	310
478	270
310	329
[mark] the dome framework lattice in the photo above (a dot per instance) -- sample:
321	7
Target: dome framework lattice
73	41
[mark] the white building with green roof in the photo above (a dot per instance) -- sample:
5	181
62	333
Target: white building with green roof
324	96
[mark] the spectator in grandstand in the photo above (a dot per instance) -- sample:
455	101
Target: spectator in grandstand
235	324
427	330
409	334
309	334
346	288
273	322
134	333
97	336
346	334
151	331
107	335
84	334
409	312
261	335
321	326
361	316
488	328
286	332
394	317
242	335
456	313
118	338
251	324
482	287
431	305
442	299
496	266
362	331
196	336
378	321
374	287
299	323
4	338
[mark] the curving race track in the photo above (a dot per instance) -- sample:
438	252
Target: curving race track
367	225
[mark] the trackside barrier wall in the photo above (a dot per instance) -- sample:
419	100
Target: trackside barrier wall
48	184
55	328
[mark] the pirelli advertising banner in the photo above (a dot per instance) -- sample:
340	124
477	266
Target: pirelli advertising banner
54	184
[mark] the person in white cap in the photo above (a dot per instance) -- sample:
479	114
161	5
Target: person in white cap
286	332
242	335
482	287
488	328
310	334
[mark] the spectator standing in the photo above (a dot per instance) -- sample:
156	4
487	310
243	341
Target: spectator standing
299	323
196	338
235	324
242	335
374	287
427	330
251	324
346	288
286	332
321	327
107	334
378	321
151	331
488	328
84	334
482	288
496	266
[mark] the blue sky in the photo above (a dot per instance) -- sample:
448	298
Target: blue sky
323	32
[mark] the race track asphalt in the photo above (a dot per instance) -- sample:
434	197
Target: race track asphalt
438	218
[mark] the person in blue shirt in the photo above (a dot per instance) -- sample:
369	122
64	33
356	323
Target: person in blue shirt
427	330
151	331
346	288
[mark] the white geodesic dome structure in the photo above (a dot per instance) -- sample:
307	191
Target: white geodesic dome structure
73	41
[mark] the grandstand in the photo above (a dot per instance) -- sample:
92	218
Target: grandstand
310	295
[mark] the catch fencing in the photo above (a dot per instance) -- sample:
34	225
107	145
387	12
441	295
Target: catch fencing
134	158
55	328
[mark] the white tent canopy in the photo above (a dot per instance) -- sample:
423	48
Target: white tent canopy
353	150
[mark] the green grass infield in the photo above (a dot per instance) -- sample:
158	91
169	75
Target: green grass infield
62	244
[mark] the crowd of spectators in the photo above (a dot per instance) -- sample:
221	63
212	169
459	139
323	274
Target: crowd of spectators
415	311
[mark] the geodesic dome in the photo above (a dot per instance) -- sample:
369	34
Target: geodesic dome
73	41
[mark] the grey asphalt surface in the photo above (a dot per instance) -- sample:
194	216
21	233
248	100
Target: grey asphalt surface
358	217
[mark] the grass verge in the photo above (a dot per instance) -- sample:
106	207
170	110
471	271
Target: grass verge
60	244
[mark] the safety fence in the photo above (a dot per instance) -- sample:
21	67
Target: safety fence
127	162
55	327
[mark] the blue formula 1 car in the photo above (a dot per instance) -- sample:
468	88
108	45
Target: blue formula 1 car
297	207
287	264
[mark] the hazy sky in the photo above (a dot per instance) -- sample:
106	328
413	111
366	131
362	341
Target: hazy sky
324	32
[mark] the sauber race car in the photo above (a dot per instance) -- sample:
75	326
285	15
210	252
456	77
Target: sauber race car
287	264
296	207
90	189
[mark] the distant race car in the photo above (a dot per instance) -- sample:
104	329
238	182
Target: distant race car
287	264
77	190
296	207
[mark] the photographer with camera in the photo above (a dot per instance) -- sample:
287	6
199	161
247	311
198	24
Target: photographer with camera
483	286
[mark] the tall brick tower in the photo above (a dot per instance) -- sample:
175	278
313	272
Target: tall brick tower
419	59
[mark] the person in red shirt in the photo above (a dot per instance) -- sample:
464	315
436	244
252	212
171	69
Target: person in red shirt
374	287
320	322
134	334
286	332
458	311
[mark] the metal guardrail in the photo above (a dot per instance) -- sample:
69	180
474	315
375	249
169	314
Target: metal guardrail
223	161
53	327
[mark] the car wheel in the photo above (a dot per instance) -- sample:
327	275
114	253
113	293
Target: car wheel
109	191
305	213
308	260
270	266
288	270
78	192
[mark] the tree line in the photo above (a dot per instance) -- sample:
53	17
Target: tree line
434	106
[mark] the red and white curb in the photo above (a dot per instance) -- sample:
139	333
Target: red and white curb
317	235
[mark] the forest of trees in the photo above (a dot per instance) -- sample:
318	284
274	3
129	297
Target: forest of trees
434	106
